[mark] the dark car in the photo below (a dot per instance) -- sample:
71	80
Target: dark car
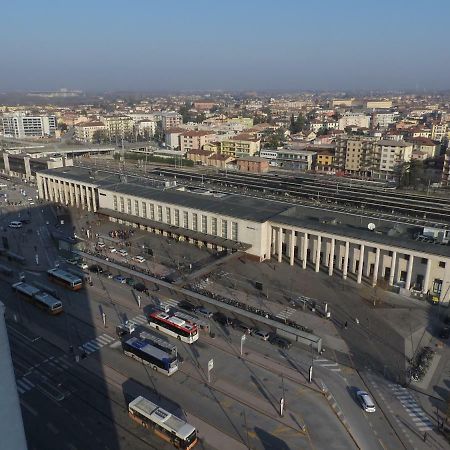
140	287
280	342
130	281
95	268
222	319
187	306
445	333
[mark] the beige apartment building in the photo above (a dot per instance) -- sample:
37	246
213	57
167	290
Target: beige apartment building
240	145
194	140
171	120
439	131
85	131
118	126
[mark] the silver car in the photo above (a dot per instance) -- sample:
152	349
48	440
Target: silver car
366	401
263	335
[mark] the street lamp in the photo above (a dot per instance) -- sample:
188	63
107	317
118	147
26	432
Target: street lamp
243	338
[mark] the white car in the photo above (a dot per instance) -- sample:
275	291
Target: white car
112	249
139	259
100	244
263	335
122	252
82	265
366	401
15	224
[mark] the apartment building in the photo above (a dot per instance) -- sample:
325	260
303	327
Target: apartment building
384	119
85	131
145	127
194	140
118	126
388	154
439	131
170	119
324	124
425	145
20	125
240	145
378	104
353	155
295	159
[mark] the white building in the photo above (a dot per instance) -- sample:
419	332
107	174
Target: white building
350	119
343	245
86	131
384	119
21	125
389	153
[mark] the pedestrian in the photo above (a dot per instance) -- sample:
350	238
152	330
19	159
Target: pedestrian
425	435
345	325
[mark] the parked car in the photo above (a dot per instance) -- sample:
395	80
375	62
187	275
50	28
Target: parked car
95	268
263	335
188	306
139	259
112	249
122	252
140	287
120	279
204	312
366	401
15	224
222	319
279	341
108	274
131	282
82	265
100	244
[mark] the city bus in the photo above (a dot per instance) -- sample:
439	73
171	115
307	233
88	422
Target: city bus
143	351
164	424
42	300
182	329
66	279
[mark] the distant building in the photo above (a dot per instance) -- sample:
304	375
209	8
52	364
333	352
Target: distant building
388	154
439	131
293	159
378	104
204	105
171	120
240	145
85	131
199	156
354	119
172	137
325	160
145	127
194	140
21	125
118	126
253	164
425	145
384	119
219	161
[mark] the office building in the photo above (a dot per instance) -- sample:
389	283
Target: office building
21	125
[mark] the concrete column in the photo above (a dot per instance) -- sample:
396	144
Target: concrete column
331	262
88	198
94	200
82	197
361	264
292	248
280	244
319	245
393	268
304	250
71	194
376	267
76	189
270	241
367	266
66	193
409	272
426	280
346	254
44	184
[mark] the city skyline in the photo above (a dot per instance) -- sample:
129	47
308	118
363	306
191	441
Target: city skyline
199	47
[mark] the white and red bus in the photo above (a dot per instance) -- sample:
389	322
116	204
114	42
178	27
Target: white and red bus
164	424
66	279
184	330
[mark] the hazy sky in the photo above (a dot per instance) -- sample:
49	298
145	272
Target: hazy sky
225	44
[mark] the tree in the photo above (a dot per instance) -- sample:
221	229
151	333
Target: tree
99	137
297	124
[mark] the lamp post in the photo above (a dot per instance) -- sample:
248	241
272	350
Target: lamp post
243	338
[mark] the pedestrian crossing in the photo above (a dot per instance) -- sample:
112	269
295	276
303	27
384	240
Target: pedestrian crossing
286	313
330	365
97	343
24	385
138	320
417	414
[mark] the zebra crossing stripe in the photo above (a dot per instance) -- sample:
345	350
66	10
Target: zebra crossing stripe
89	347
108	337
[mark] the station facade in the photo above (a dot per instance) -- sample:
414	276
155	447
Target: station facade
382	253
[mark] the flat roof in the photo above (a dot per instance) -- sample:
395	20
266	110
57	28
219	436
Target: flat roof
386	232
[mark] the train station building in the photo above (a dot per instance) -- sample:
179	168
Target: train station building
370	250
